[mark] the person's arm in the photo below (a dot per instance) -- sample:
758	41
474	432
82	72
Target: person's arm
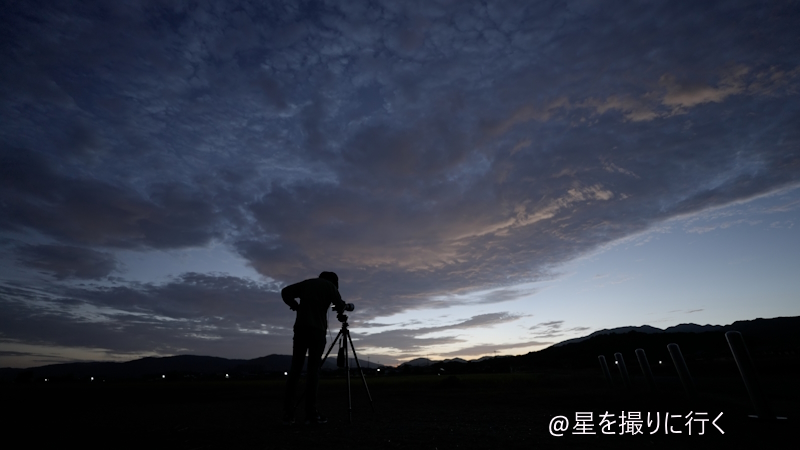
338	303
289	294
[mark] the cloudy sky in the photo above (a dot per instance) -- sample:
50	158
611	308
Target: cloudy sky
485	177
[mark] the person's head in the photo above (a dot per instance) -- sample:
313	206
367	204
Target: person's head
330	276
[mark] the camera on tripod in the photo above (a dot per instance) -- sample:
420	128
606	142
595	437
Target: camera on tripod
347	307
340	316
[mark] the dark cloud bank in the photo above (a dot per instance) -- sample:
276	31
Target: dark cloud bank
418	149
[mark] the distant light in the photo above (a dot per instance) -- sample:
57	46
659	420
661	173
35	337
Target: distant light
163	376
91	378
616	362
286	373
659	362
45	379
379	370
226	375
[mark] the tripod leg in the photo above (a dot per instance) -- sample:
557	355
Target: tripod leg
361	371
329	349
347	367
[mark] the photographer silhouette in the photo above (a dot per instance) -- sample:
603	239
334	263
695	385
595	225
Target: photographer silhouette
316	296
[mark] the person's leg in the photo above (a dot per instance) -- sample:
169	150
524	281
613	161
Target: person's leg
299	348
316	347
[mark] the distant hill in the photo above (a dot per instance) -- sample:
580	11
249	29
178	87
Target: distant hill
424	362
456	360
647	329
692	328
620	330
756	325
419	362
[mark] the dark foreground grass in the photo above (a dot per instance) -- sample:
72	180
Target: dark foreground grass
499	411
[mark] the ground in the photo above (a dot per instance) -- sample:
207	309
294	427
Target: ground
491	411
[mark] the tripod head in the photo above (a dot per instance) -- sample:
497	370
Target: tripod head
341	310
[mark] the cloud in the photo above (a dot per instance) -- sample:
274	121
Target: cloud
785	207
82	210
67	261
373	325
484	320
553	329
686	95
412	340
633	109
674	96
775	81
528	113
501	295
723	225
784	224
478	350
11	353
241	316
548	329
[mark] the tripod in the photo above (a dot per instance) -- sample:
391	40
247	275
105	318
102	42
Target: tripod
344	335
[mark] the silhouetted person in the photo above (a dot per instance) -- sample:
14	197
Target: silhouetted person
316	296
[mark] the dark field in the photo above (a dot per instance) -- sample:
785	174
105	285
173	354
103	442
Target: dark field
495	411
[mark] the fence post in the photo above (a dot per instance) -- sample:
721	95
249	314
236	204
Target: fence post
748	372
623	370
683	371
648	374
607	374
